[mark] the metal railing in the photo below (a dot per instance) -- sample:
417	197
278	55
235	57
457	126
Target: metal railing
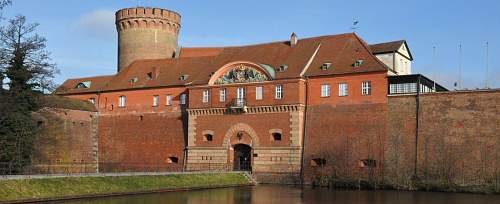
238	103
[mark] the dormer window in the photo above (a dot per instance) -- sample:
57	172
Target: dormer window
83	85
282	68
149	76
358	63
326	66
134	80
184	77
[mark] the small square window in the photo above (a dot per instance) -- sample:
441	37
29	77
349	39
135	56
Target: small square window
208	137
276	136
318	162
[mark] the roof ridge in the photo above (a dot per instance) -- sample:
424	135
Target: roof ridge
367	48
271	42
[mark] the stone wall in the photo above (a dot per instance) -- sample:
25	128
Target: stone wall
66	143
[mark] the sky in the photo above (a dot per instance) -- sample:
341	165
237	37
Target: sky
82	38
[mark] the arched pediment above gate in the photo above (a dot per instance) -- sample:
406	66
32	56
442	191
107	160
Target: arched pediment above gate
242	72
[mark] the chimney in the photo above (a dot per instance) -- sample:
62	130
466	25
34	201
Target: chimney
293	40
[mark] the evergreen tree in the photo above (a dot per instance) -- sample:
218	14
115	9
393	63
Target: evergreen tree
26	65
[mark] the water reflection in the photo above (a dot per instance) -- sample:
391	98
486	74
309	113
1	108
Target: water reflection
292	195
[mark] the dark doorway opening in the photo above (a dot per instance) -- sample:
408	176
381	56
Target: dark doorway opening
242	157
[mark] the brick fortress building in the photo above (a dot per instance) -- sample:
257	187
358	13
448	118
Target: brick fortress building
277	109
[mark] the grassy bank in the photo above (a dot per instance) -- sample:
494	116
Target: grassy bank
80	186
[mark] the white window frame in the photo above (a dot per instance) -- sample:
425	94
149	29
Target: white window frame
278	91
325	90
222	95
343	89
156	100
366	88
206	96
259	92
183	99
122	101
168	100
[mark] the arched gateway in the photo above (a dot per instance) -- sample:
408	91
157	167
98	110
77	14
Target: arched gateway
240	140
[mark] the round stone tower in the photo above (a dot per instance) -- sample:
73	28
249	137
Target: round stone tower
146	33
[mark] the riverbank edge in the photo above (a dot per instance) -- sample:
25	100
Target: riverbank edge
137	192
418	186
123	194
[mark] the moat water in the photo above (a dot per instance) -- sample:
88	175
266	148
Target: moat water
291	195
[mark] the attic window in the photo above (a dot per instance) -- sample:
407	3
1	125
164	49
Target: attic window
134	80
149	75
83	85
184	77
358	63
326	66
282	68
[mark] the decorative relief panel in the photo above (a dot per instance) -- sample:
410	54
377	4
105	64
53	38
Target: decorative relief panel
241	74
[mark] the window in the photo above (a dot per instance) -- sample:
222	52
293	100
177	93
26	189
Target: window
343	89
156	100
208	137
82	85
276	136
122	101
92	100
326	66
206	96
358	63
183	98
222	95
282	68
173	160
318	162
149	76
368	163
279	92
366	88
325	90
258	93
168	100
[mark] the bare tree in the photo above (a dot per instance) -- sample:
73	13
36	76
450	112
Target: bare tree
23	58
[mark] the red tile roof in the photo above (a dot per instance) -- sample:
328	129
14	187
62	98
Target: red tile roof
200	63
386	47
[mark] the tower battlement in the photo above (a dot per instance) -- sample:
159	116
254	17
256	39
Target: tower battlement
146	33
147	18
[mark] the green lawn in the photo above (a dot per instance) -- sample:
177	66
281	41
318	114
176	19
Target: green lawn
75	186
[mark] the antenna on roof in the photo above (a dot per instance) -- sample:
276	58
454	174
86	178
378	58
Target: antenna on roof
487	65
355	23
460	66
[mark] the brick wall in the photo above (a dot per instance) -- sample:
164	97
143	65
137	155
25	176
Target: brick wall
66	143
344	135
141	142
458	138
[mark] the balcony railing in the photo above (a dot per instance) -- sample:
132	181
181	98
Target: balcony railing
238	103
